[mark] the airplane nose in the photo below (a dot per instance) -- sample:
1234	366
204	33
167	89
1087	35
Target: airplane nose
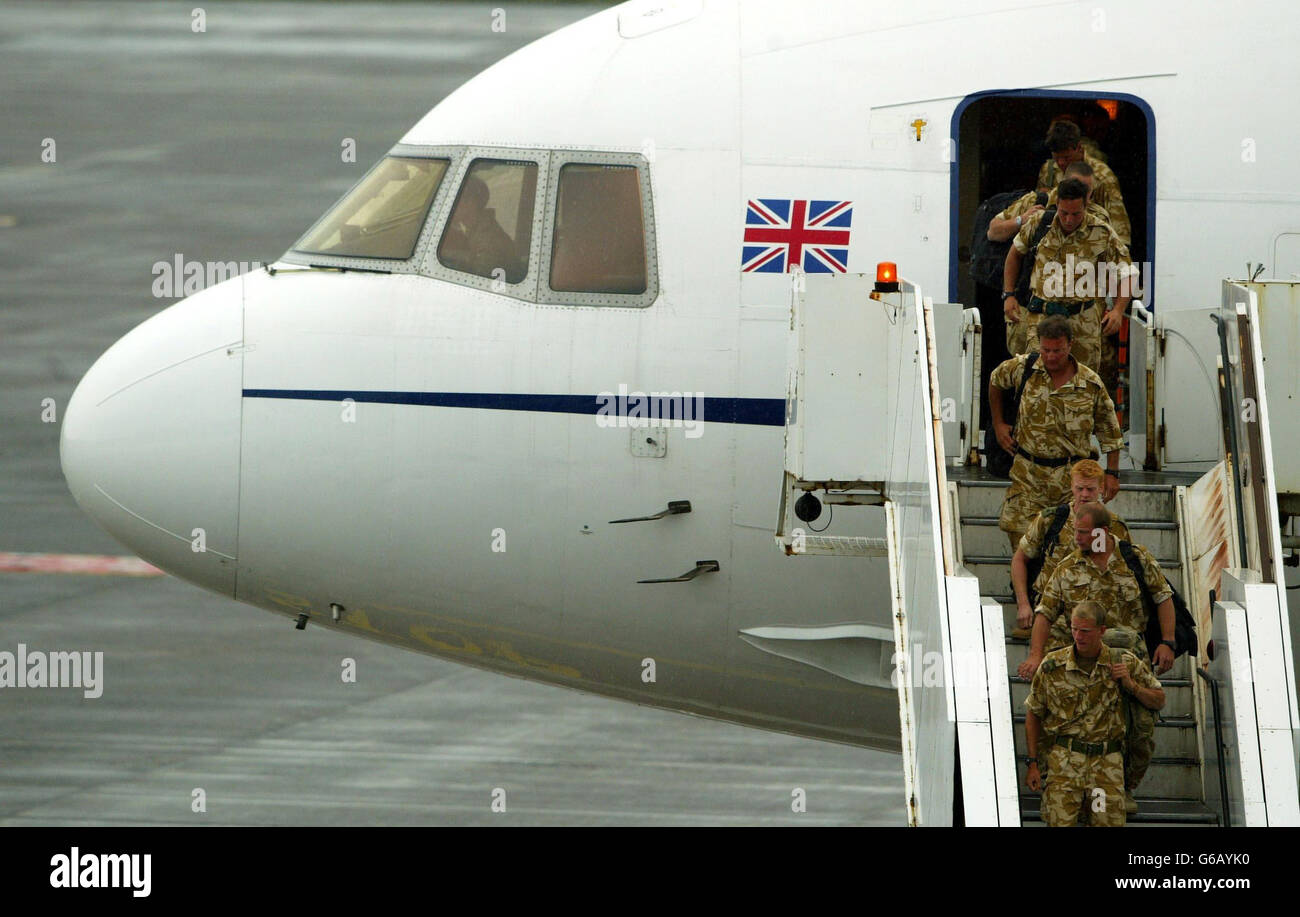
150	438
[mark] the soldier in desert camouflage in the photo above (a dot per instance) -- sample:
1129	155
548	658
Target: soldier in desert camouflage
1065	153
1097	572
1077	696
1010	220
1066	144
1080	262
1004	226
1063	405
1086	482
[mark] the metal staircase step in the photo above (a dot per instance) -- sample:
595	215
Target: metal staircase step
1175	736
1179	697
1164	682
981	535
1144	525
1158	760
994	573
1152	810
1172	776
1171	793
1005	562
1134	502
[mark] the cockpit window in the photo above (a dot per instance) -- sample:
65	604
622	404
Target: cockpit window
599	244
490	228
383	215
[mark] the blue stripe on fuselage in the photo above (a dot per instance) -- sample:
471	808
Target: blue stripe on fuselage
767	412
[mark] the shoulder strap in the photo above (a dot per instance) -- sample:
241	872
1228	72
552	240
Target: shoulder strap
1054	530
1135	565
1031	254
1040	230
1011	413
1024	376
1035	566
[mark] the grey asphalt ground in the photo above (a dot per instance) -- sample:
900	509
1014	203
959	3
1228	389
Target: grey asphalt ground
225	146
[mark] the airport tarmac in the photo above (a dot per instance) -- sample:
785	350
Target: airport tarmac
224	145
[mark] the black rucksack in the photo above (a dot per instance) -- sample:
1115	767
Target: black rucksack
1027	262
1035	565
996	459
987	258
1184	626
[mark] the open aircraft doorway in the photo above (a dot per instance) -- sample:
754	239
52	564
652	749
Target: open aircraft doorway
1000	147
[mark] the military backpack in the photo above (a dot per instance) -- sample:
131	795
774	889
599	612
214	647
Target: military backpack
1035	566
987	258
1184	626
997	459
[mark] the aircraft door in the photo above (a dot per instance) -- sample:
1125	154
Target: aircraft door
649	554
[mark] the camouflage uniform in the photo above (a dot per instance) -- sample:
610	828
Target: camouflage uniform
1017	341
1032	545
1106	195
1051	425
1094	243
1077	579
1109	369
1016	332
1105	191
1140	721
1032	542
1091	151
1085	707
1021	205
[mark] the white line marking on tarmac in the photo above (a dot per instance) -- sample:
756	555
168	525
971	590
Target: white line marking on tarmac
93	564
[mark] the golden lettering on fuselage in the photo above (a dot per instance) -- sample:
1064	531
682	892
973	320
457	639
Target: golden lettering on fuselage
506	651
438	637
405	625
288	600
443	640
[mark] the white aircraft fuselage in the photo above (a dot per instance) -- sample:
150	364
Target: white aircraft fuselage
416	457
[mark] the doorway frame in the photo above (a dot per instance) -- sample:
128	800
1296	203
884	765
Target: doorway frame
954	189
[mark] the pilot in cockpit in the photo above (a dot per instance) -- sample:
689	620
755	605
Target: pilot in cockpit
474	239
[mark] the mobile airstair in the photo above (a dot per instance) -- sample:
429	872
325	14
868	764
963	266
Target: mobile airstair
883	410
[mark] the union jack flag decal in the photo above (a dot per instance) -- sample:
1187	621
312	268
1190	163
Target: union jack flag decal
782	233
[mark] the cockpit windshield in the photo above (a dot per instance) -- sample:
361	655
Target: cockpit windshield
490	228
383	215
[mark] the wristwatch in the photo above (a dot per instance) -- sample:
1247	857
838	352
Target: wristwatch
1007	294
1019	222
1113	473
1171	644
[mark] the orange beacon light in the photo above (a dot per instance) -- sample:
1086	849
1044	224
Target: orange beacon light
886	277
